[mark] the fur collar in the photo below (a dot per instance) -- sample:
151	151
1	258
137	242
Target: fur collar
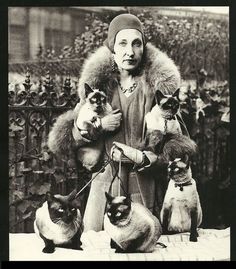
159	71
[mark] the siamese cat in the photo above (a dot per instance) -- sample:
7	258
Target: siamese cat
131	226
164	136
58	222
181	210
162	116
94	108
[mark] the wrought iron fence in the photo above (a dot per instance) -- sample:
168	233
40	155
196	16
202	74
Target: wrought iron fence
33	170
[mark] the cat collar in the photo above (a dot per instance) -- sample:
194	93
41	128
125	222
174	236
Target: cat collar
171	118
181	185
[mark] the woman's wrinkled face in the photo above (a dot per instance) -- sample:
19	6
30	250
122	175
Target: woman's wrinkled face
128	49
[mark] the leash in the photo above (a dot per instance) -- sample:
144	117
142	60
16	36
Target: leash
103	167
119	176
116	175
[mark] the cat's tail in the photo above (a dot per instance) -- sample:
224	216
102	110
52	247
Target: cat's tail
60	137
161	244
178	146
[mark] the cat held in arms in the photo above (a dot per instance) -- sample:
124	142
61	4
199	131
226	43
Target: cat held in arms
181	210
58	222
164	135
131	226
94	108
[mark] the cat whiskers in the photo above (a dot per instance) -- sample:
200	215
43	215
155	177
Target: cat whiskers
60	223
56	221
76	223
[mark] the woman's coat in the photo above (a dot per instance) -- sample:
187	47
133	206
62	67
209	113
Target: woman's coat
157	72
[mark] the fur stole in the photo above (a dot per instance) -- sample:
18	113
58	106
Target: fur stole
159	72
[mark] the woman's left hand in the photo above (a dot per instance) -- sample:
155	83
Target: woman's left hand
119	150
116	153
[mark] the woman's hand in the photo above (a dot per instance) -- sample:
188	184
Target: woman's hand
112	121
90	132
116	153
120	150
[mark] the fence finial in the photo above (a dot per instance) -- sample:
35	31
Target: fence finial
48	82
67	84
27	83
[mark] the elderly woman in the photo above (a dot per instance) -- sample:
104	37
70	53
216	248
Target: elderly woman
130	70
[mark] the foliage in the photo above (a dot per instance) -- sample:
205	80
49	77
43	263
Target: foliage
193	43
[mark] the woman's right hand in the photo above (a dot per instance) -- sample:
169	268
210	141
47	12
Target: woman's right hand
112	121
90	131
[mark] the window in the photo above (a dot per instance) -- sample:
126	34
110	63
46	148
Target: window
17	47
57	39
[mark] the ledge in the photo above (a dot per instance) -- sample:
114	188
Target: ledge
212	245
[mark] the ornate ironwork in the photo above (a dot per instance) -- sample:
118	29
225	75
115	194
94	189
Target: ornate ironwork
45	95
32	168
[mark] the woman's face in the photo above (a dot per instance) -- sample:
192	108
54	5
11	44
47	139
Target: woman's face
128	49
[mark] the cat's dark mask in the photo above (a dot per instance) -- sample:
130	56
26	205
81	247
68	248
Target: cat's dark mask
178	168
96	97
62	208
118	208
168	103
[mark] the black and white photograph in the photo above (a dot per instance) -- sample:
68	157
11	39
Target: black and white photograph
119	133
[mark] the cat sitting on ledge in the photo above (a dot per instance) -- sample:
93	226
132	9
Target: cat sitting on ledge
58	222
131	226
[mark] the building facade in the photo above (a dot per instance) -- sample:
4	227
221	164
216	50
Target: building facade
50	27
56	27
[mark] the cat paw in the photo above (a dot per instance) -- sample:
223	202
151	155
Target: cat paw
94	118
120	250
193	238
48	250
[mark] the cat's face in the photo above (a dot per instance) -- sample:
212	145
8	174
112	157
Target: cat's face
118	208
169	104
62	209
178	169
96	98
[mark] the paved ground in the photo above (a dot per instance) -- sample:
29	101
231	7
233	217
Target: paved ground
211	245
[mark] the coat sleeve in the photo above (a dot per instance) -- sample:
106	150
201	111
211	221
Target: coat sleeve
152	158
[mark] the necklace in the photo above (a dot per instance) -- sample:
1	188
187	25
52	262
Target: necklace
130	89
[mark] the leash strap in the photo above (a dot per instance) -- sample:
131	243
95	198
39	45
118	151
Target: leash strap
119	176
103	167
116	175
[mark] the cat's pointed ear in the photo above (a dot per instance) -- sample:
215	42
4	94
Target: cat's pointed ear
176	93
128	196
186	160
49	197
109	197
188	164
159	96
178	160
128	199
72	195
88	89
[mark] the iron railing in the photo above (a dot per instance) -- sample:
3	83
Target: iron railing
33	170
